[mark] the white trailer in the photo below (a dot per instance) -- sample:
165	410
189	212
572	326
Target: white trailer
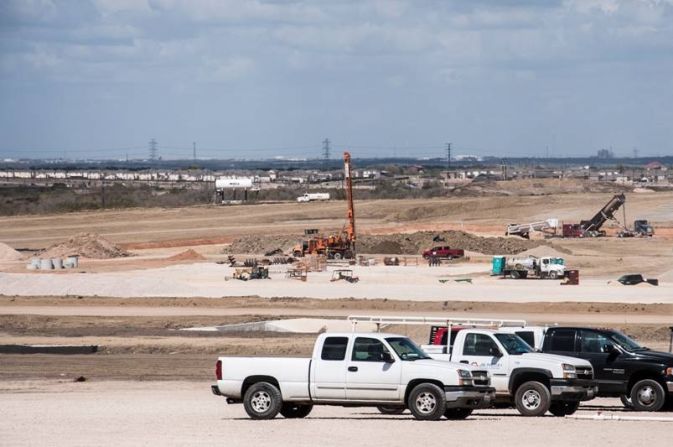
313	196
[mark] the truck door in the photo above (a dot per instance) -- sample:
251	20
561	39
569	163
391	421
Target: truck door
609	371
561	341
481	350
369	377
328	378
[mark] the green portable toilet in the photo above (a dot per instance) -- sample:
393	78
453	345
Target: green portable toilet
498	265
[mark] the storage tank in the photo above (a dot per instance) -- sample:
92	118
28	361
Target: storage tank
233	182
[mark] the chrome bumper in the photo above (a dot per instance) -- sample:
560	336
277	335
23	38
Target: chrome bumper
470	398
570	391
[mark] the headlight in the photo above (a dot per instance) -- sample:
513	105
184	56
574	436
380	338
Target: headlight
569	371
464	377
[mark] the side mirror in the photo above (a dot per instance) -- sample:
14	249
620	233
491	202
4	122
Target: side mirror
386	357
495	352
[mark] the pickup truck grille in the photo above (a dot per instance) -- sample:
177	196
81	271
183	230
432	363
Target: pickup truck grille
584	372
480	378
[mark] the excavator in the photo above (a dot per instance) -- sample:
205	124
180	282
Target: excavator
335	246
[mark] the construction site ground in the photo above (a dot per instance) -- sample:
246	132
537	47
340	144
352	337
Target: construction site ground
134	307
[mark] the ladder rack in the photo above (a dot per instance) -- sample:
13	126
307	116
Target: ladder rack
384	321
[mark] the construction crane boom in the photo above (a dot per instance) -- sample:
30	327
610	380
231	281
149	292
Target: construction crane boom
350	214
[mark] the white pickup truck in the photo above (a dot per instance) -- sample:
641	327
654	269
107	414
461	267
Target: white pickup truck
533	382
354	369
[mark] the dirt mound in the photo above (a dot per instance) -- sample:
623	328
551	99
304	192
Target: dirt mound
7	253
262	244
546	250
187	255
87	245
397	244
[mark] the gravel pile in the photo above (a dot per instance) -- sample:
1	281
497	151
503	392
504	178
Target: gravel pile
7	253
86	245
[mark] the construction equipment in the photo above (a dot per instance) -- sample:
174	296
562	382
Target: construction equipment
592	227
548	227
248	273
346	275
336	246
531	266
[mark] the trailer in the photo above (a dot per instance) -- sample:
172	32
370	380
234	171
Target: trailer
548	227
313	197
592	227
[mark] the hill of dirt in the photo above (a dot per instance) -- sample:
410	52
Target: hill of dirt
397	244
187	255
86	245
7	253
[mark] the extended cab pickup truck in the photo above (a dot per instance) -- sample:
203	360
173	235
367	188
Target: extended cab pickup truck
642	378
443	252
533	382
354	369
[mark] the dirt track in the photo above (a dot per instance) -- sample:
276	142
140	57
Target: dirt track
179	413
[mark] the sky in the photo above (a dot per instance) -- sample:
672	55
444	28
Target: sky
256	79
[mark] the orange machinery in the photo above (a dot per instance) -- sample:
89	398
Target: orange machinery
340	245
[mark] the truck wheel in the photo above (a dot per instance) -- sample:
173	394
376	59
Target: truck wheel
262	401
427	402
457	414
337	256
295	411
563	408
647	395
514	274
626	400
553	275
532	399
388	409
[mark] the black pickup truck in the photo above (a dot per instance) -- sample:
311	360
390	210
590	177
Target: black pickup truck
642	378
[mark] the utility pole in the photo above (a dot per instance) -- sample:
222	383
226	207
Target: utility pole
102	190
448	156
194	150
325	152
153	149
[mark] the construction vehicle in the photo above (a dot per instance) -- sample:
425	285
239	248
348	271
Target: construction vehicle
334	246
592	227
312	197
641	228
548	227
521	268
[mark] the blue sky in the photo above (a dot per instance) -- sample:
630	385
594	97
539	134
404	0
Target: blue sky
252	78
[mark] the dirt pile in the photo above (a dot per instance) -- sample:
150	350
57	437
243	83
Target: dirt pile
187	255
7	253
86	245
397	244
262	244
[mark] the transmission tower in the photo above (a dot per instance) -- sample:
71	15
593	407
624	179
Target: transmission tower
325	152
448	156
194	150
153	149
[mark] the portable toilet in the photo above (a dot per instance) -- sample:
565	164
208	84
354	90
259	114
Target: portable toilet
498	265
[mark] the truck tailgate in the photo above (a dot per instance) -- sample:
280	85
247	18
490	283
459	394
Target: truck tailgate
292	374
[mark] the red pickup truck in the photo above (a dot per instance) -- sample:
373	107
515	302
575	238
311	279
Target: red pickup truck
443	252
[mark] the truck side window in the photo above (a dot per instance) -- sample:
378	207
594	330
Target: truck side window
368	350
478	344
594	342
563	340
527	336
334	348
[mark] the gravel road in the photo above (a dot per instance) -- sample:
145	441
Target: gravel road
185	413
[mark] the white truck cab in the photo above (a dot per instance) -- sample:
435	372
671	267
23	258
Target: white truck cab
354	369
531	381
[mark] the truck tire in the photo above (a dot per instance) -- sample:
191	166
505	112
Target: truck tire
647	395
626	401
262	401
295	411
427	402
388	409
337	256
532	399
563	408
553	275
514	274
457	414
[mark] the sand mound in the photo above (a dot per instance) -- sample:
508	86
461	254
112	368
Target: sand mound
545	250
187	255
7	253
397	244
87	245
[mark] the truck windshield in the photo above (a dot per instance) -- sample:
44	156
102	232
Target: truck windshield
626	342
406	349
513	344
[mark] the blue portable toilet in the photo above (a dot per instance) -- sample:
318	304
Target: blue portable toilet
498	265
